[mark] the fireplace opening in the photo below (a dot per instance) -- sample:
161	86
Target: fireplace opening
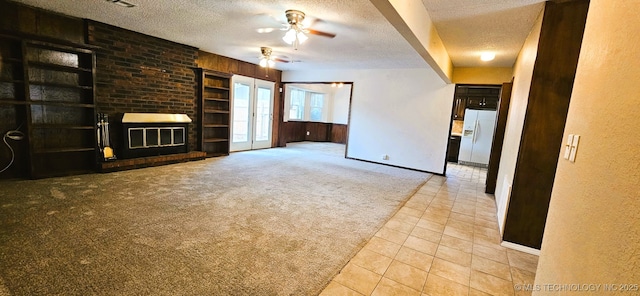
152	134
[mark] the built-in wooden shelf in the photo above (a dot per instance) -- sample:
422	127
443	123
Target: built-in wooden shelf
214	106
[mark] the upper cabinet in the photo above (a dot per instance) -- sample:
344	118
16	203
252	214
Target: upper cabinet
483	97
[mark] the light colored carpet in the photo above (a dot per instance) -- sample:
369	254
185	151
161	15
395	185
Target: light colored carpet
280	221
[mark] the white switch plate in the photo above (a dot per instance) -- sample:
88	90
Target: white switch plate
567	147
574	148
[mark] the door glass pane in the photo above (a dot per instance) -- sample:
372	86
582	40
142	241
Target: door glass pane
263	113
241	112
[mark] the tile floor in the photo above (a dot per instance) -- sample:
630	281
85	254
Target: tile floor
443	241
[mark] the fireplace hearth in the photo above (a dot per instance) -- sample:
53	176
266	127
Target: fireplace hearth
153	134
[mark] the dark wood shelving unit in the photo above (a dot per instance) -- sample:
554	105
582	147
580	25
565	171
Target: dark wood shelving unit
47	91
214	122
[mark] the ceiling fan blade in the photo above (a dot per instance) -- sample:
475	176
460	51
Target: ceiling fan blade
280	60
321	33
269	30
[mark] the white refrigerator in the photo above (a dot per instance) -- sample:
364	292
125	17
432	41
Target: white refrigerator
477	136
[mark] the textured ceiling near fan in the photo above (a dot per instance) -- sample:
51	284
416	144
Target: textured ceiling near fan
468	27
365	40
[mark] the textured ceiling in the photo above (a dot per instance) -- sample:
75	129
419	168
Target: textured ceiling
468	27
365	40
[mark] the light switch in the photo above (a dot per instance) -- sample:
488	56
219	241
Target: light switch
567	147
574	148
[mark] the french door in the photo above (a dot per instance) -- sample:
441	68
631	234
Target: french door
251	113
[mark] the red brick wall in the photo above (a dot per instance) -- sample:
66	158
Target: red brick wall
141	73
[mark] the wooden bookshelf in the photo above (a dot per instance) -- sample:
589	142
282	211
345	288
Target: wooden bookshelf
47	89
214	105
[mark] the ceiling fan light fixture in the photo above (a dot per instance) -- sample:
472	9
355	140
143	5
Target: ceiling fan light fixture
301	37
266	61
290	36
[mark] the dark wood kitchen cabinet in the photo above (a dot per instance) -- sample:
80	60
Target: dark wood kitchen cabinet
482	97
47	91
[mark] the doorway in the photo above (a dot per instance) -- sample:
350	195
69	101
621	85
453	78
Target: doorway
251	113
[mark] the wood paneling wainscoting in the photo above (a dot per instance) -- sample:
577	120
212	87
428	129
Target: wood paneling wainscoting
296	131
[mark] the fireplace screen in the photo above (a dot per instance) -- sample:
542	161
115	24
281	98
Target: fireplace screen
147	137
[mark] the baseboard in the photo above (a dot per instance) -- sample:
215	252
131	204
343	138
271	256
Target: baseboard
520	248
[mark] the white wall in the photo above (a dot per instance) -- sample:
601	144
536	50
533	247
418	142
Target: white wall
341	99
403	113
522	74
592	235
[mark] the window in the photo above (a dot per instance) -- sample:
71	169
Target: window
296	107
308	105
316	106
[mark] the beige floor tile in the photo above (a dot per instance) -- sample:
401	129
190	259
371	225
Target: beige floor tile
405	218
465	234
485	222
442	204
428	189
482	214
490	284
522	277
424	233
392	235
432	211
474	292
440	219
450	271
382	246
437	286
336	289
406	274
495	254
487	241
456	243
491	267
411	212
461	217
358	279
453	255
523	260
490	232
421	245
399	226
372	261
460	224
388	287
434	226
414	258
466	210
417	205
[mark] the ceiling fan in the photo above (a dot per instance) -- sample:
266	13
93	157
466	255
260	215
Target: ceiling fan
267	59
296	30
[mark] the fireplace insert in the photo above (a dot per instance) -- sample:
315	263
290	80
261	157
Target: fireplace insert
152	134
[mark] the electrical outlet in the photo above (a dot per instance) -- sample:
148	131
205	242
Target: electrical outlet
307	133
